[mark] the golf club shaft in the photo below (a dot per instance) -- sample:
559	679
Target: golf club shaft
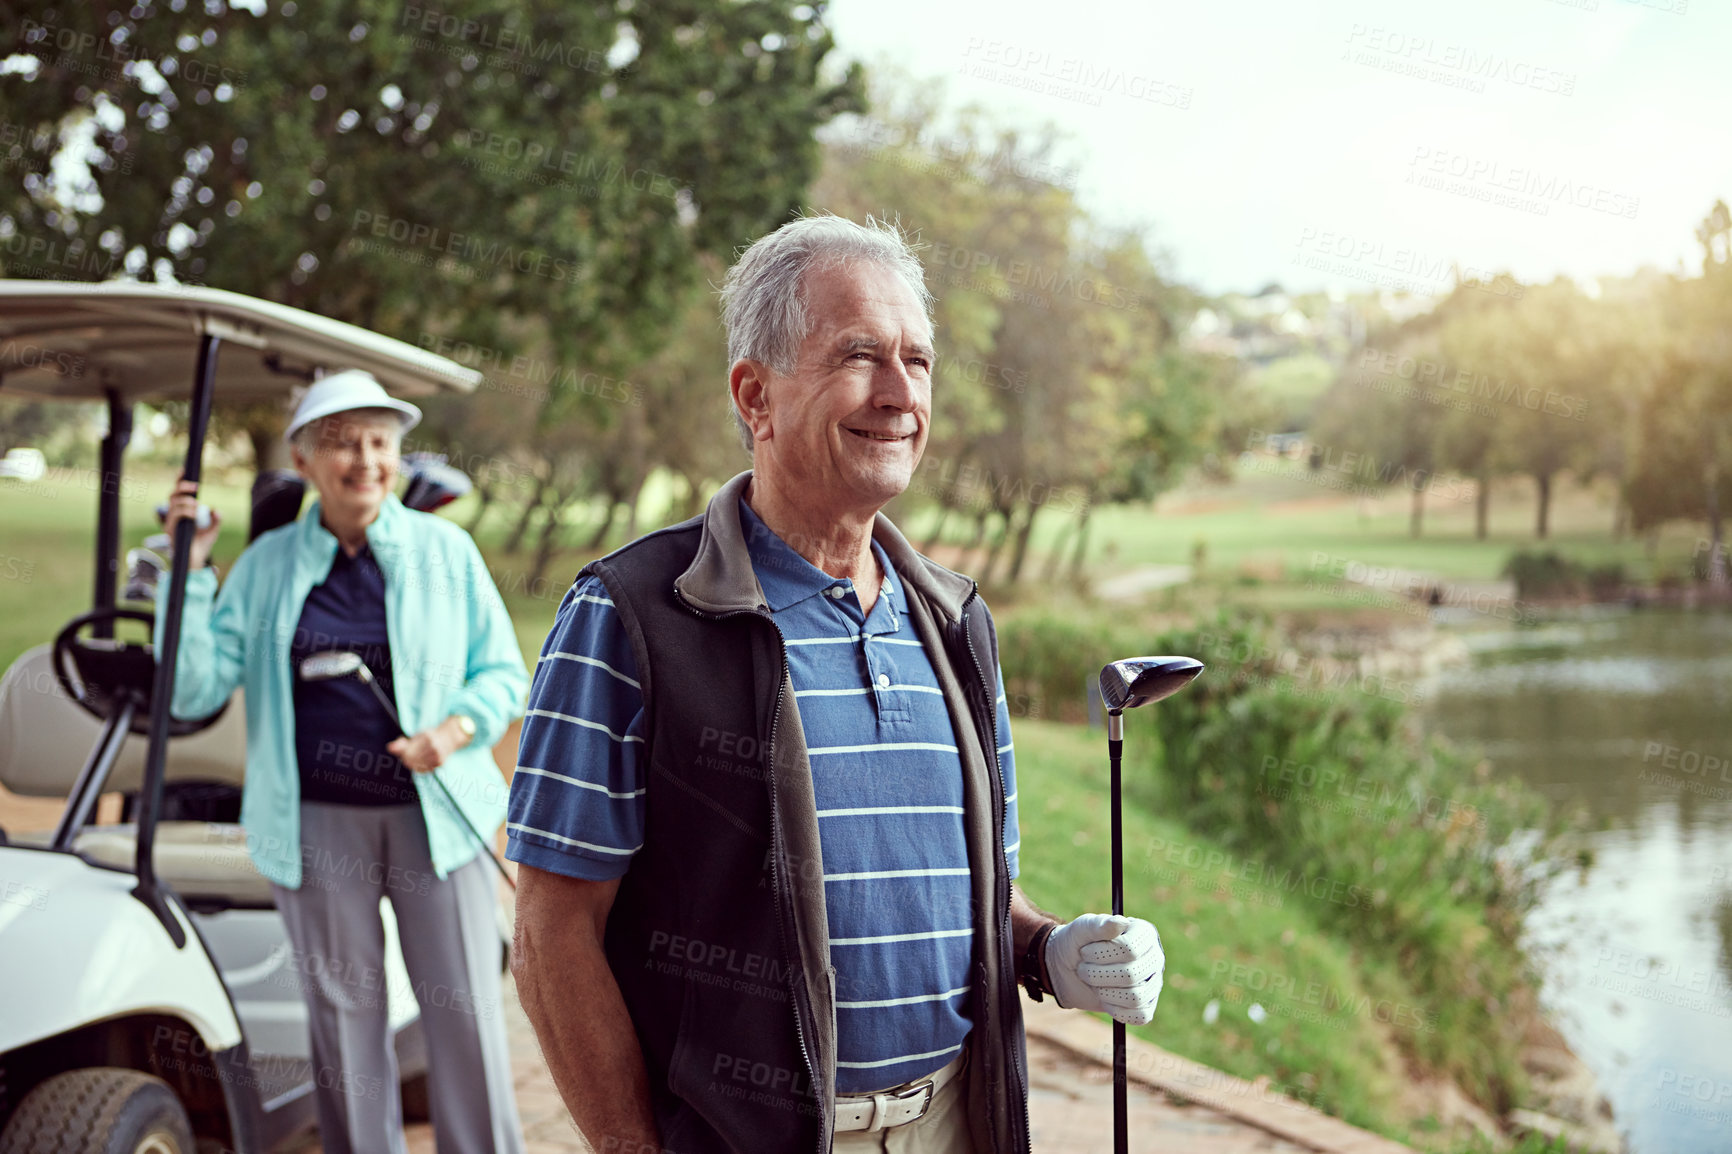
486	849
367	678
1121	1104
461	816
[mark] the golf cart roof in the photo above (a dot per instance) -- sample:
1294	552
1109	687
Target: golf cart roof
75	342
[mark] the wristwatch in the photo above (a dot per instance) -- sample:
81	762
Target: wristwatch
1033	964
465	724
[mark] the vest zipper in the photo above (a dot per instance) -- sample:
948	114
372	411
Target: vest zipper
1001	869
824	1124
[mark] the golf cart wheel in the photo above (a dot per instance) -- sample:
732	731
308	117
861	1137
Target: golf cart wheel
99	1111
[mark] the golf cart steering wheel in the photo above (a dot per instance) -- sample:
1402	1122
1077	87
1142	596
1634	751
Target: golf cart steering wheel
101	672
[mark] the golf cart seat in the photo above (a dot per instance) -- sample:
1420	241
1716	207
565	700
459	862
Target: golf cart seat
45	739
203	861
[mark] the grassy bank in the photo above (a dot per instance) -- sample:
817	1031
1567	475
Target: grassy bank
1213	928
1313	857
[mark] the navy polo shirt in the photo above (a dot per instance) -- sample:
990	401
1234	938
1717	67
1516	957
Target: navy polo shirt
886	777
341	729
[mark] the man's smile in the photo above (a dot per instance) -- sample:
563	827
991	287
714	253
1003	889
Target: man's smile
873	435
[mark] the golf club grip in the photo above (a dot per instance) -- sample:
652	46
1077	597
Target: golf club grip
1121	1103
1121	1097
449	800
1115	752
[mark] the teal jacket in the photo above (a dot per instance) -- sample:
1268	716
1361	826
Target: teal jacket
453	650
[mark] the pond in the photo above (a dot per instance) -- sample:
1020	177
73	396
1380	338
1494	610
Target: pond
1627	715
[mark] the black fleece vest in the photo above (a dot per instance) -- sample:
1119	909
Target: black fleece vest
702	935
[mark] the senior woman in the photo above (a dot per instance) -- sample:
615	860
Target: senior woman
337	806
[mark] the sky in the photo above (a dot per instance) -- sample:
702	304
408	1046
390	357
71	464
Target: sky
1333	144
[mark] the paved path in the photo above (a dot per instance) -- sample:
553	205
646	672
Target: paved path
1128	586
1070	1099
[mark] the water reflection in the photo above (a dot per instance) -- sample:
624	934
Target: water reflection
1629	717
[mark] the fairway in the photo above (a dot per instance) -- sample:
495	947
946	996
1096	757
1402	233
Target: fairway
1272	519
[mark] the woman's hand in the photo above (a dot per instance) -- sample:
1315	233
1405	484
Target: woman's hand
427	750
183	502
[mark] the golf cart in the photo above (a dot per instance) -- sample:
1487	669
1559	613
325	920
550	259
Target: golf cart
149	1001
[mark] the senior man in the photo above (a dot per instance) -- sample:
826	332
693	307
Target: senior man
765	798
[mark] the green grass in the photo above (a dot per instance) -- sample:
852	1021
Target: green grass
48	550
49	532
1226	940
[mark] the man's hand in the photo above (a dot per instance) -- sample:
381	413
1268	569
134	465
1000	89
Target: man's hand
1106	963
427	750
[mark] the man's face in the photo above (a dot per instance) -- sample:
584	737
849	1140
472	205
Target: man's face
352	461
848	425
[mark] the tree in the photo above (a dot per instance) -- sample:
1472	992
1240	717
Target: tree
1631	320
417	171
1540	362
1710	324
1684	454
1053	388
484	435
1467	431
1386	410
684	391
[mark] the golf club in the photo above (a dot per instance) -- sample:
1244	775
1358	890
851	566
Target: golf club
433	483
1126	685
333	664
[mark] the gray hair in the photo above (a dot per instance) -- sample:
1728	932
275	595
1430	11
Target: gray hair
306	438
764	295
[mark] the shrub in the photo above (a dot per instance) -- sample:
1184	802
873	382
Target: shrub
1054	658
1429	861
1545	574
1605	582
1330	786
1549	575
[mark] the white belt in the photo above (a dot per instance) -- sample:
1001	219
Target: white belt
897	1106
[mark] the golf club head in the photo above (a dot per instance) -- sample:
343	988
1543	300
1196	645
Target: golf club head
143	568
1140	680
432	482
332	664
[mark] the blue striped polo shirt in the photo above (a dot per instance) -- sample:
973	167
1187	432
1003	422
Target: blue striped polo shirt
887	781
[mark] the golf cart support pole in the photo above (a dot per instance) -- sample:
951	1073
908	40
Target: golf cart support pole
88	788
108	507
162	693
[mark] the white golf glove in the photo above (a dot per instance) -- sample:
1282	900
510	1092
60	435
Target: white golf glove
1107	963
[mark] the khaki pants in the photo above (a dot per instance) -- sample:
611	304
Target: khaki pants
943	1129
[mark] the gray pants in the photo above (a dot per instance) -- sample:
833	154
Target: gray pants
353	856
